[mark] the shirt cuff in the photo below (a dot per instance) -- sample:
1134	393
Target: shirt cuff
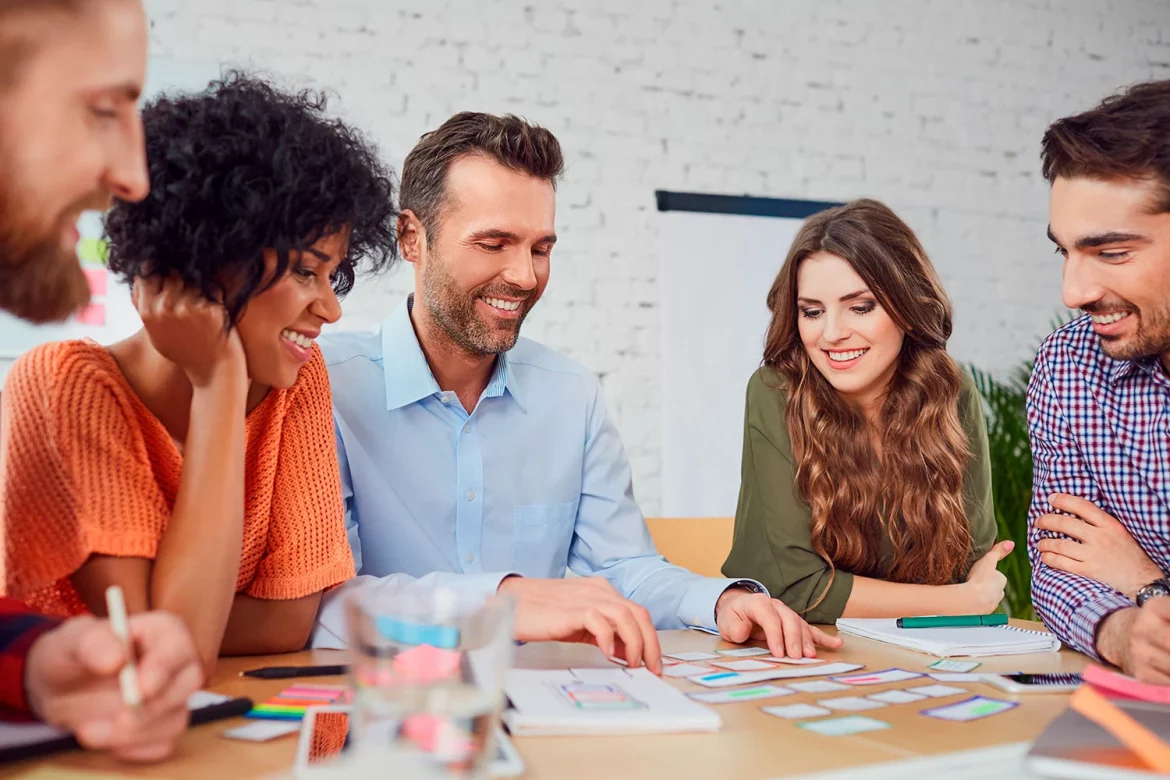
1087	618
13	663
697	608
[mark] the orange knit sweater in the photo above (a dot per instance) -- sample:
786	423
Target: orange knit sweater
88	470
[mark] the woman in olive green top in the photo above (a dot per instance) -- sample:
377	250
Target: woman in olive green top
866	488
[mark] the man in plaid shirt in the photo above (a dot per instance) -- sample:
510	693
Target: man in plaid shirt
1099	398
70	138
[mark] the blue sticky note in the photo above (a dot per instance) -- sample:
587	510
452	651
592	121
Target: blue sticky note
406	633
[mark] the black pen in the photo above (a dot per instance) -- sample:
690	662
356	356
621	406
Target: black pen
285	672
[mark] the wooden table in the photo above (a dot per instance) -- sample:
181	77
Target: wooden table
751	745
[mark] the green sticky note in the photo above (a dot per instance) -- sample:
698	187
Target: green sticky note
93	250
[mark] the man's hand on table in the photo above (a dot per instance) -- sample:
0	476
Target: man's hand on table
1138	640
71	677
742	615
584	609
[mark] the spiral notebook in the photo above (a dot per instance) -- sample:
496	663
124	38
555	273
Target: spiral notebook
948	642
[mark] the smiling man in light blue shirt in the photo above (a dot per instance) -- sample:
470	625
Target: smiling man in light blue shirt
488	462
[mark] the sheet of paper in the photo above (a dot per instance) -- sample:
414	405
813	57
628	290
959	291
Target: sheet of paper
797	711
851	704
955	677
840	727
685	670
742	694
937	691
262	730
794	661
896	697
879	678
729	679
818	686
691	656
743	665
971	709
745	652
952	665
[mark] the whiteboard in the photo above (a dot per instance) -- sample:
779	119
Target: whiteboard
715	273
110	316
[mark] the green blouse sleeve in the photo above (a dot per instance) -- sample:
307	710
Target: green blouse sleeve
977	495
773	541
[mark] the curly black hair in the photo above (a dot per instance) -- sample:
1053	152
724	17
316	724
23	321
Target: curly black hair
242	167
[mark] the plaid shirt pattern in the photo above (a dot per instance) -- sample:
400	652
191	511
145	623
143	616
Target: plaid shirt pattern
19	628
1100	429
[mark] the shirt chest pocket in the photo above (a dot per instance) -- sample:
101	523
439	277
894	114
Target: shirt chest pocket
541	537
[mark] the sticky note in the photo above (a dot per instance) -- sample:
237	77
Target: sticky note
92	314
684	670
742	694
971	709
727	679
878	678
97	278
840	727
937	691
794	661
797	711
743	665
745	652
896	697
951	665
818	686
1148	746
262	731
955	677
851	704
691	656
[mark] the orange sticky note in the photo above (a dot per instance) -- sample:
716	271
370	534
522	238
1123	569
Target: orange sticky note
1145	744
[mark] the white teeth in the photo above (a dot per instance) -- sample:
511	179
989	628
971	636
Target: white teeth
841	357
502	305
297	338
1105	319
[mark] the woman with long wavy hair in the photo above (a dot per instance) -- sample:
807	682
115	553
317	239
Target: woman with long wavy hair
866	488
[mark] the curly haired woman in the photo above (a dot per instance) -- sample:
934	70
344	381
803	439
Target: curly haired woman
866	486
193	463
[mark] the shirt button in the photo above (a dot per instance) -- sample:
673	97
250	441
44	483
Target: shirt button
470	557
470	495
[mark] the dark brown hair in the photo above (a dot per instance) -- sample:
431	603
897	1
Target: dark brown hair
915	494
1126	136
509	140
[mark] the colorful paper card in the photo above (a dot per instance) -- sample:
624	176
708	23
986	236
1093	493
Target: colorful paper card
952	665
262	731
818	686
691	656
937	691
955	677
291	703
745	652
896	697
851	704
685	670
975	708
841	727
742	694
879	678
728	679
797	711
794	661
743	665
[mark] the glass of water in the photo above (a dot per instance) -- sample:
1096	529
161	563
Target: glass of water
428	669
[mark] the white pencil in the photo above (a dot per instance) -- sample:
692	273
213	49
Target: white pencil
128	677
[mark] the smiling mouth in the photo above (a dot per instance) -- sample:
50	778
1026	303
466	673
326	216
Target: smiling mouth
1110	318
844	356
501	304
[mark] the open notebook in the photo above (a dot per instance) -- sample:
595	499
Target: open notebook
947	642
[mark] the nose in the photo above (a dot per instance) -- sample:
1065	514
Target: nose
835	329
520	271
1078	287
127	177
326	306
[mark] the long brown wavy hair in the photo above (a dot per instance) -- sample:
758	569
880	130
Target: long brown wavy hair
915	491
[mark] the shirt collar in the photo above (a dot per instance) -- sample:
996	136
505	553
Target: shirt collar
1121	369
409	378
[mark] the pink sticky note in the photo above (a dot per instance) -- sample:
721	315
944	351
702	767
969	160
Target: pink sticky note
93	314
426	663
97	280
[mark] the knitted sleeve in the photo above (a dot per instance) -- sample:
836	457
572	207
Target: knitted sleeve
308	549
77	479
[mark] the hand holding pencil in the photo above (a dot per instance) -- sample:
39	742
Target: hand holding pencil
75	680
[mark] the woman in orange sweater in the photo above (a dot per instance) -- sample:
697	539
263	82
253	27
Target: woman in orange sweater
193	463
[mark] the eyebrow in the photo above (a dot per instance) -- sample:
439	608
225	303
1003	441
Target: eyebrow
127	89
843	298
1100	239
508	235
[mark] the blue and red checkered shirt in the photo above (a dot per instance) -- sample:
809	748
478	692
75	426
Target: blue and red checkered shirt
1100	429
19	628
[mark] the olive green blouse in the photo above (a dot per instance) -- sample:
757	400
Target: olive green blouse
773	542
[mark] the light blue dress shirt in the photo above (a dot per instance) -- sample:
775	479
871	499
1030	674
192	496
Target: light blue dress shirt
532	481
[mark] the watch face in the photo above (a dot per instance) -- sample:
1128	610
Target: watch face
1156	588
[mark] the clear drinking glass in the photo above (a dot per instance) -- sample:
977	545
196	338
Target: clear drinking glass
428	671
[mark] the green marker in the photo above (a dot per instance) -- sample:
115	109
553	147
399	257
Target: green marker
953	621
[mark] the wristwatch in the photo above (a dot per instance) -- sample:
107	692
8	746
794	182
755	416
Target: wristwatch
1160	587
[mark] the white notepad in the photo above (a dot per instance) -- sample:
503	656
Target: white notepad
947	642
610	701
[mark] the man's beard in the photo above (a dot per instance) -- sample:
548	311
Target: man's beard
41	281
1151	339
454	311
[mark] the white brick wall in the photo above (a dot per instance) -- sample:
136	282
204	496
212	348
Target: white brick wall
935	107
